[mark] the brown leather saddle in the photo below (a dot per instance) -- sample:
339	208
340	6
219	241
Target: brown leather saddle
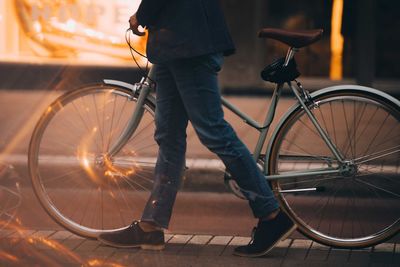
296	39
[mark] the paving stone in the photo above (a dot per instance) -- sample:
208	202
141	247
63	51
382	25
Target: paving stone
396	256
236	241
73	242
105	249
200	240
176	243
383	253
22	234
299	249
360	256
133	257
284	243
216	246
180	239
123	254
167	237
42	234
281	249
88	245
318	252
60	235
94	256
196	245
338	256
384	247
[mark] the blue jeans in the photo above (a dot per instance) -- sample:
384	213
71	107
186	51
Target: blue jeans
187	89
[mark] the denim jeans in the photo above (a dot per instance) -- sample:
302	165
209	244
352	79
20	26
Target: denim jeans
187	89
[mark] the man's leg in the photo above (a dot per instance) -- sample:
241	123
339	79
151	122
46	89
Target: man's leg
171	123
197	84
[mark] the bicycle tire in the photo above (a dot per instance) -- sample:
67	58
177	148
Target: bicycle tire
79	187
354	209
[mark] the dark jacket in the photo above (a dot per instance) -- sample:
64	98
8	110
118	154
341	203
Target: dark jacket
184	28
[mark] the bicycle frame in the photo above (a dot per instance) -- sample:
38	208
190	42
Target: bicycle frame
264	129
143	89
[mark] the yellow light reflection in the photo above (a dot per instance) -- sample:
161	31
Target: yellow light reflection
97	262
29	246
337	41
113	172
97	171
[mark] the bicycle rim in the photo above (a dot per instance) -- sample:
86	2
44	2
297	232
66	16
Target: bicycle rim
356	208
78	186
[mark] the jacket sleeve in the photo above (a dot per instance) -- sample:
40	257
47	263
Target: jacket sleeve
148	11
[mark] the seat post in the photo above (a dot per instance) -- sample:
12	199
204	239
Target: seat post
290	55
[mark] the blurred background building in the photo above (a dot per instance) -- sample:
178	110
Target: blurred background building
63	42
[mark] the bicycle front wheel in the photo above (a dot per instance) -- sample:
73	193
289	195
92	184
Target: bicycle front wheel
80	186
360	205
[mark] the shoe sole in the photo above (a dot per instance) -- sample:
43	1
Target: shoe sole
263	253
141	246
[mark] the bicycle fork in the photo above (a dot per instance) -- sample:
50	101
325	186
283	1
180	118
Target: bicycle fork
142	90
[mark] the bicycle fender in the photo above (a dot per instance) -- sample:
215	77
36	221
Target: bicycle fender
128	86
120	84
319	93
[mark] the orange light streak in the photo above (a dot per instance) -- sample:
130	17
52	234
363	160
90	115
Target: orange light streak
337	41
29	247
7	256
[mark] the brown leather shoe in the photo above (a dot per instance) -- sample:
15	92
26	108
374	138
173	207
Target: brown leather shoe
134	237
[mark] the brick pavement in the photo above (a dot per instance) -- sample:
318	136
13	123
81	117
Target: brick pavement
62	248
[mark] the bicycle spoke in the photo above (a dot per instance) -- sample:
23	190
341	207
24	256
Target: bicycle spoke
96	109
352	138
134	137
388	209
377	187
376	134
348	131
323	158
333	123
112	124
114	198
313	131
376	155
86	125
56	178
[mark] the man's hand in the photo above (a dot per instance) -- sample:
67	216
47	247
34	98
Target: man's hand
134	26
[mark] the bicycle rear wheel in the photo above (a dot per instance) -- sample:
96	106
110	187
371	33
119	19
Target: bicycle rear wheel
360	206
80	188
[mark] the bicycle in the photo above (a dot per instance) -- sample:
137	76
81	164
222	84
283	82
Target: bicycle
332	160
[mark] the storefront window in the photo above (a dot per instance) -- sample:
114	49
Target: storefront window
73	31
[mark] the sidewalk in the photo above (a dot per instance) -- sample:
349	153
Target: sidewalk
61	248
52	247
